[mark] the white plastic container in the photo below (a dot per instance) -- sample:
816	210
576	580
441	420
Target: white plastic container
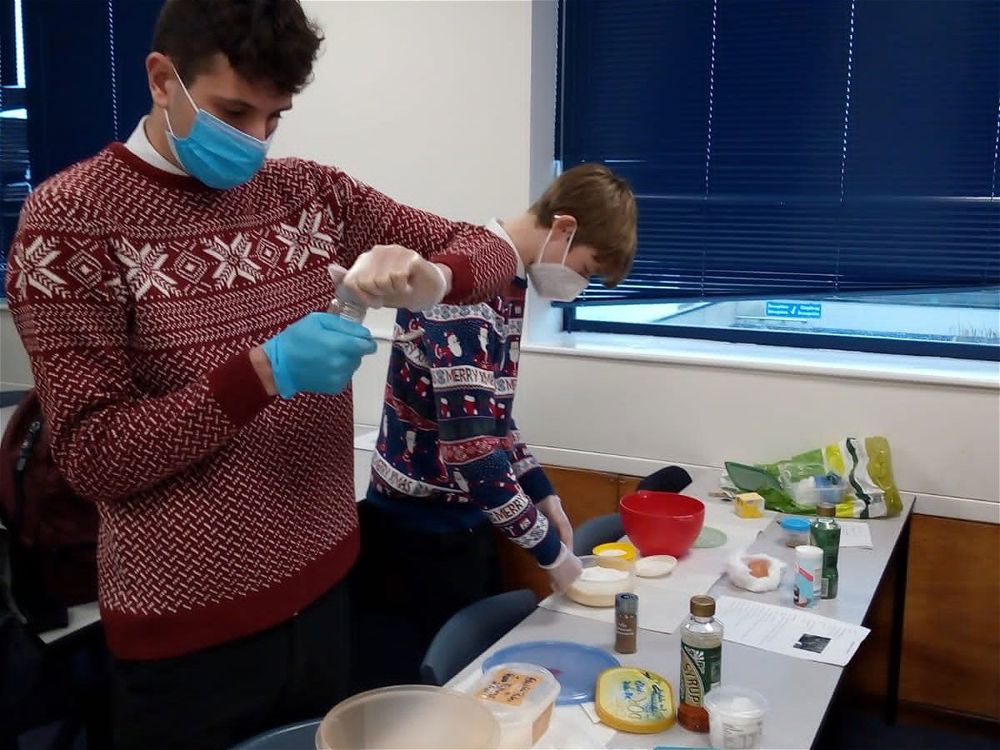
521	697
735	717
808	575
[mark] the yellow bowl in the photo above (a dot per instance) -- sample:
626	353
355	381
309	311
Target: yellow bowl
617	555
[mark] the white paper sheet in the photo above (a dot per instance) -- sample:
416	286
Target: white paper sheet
364	440
571	726
855	534
665	602
789	631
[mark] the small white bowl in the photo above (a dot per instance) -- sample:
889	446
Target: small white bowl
655	566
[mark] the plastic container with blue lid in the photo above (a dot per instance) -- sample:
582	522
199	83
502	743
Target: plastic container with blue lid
796	530
575	666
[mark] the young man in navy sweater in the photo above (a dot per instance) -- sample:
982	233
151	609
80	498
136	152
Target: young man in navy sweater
449	461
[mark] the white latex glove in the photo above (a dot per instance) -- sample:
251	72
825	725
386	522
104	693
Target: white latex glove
395	276
565	570
552	508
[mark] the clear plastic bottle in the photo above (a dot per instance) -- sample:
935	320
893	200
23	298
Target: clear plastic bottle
701	662
342	303
825	533
348	309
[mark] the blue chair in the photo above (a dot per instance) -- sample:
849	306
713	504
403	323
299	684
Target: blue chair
596	531
472	630
667	479
301	736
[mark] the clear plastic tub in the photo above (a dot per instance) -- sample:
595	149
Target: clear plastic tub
735	717
812	491
795	530
598	585
418	717
521	697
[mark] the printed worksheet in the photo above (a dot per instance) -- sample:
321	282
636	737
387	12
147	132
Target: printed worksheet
788	631
855	534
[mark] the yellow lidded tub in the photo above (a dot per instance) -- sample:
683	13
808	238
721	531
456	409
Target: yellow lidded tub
635	700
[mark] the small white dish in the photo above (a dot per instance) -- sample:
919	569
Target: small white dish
655	566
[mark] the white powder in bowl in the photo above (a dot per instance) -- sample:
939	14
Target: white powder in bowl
602	574
612	553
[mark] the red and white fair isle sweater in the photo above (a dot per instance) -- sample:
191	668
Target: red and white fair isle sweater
138	295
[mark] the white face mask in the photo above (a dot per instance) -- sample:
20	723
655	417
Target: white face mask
556	281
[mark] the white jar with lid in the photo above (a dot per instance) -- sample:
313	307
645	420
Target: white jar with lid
735	717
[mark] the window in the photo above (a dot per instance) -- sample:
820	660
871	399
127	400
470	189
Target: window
73	80
816	174
15	172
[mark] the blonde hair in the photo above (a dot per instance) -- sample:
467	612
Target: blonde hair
604	208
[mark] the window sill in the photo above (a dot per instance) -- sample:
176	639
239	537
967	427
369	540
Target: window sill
818	362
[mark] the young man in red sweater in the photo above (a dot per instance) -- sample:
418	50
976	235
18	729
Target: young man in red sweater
168	291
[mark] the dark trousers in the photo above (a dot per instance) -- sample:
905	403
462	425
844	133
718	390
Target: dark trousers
406	585
219	696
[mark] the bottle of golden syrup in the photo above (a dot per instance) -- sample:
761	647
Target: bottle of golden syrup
701	662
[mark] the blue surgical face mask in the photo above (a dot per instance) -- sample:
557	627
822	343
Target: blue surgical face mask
214	152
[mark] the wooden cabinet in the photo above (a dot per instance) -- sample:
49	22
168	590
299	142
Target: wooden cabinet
951	632
951	626
585	494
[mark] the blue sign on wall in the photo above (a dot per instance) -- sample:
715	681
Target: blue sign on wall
807	310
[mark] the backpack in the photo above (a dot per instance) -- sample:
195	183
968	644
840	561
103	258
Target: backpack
21	653
53	531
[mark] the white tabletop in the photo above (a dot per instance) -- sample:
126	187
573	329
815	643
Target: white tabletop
860	570
80	617
798	691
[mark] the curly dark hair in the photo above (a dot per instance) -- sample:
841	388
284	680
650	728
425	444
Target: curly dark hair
264	40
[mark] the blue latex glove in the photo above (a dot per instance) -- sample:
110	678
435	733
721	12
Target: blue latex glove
317	354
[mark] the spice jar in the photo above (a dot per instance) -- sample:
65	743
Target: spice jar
626	622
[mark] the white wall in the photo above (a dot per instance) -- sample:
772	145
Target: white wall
448	106
427	100
15	374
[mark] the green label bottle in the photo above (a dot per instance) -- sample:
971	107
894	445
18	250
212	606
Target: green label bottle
701	670
825	533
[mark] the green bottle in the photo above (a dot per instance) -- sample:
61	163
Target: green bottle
825	533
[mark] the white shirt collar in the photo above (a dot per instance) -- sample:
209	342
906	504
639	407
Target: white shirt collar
496	227
138	143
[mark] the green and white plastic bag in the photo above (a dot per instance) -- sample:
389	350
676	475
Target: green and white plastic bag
857	471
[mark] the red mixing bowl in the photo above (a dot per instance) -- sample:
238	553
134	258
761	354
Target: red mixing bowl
662	523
